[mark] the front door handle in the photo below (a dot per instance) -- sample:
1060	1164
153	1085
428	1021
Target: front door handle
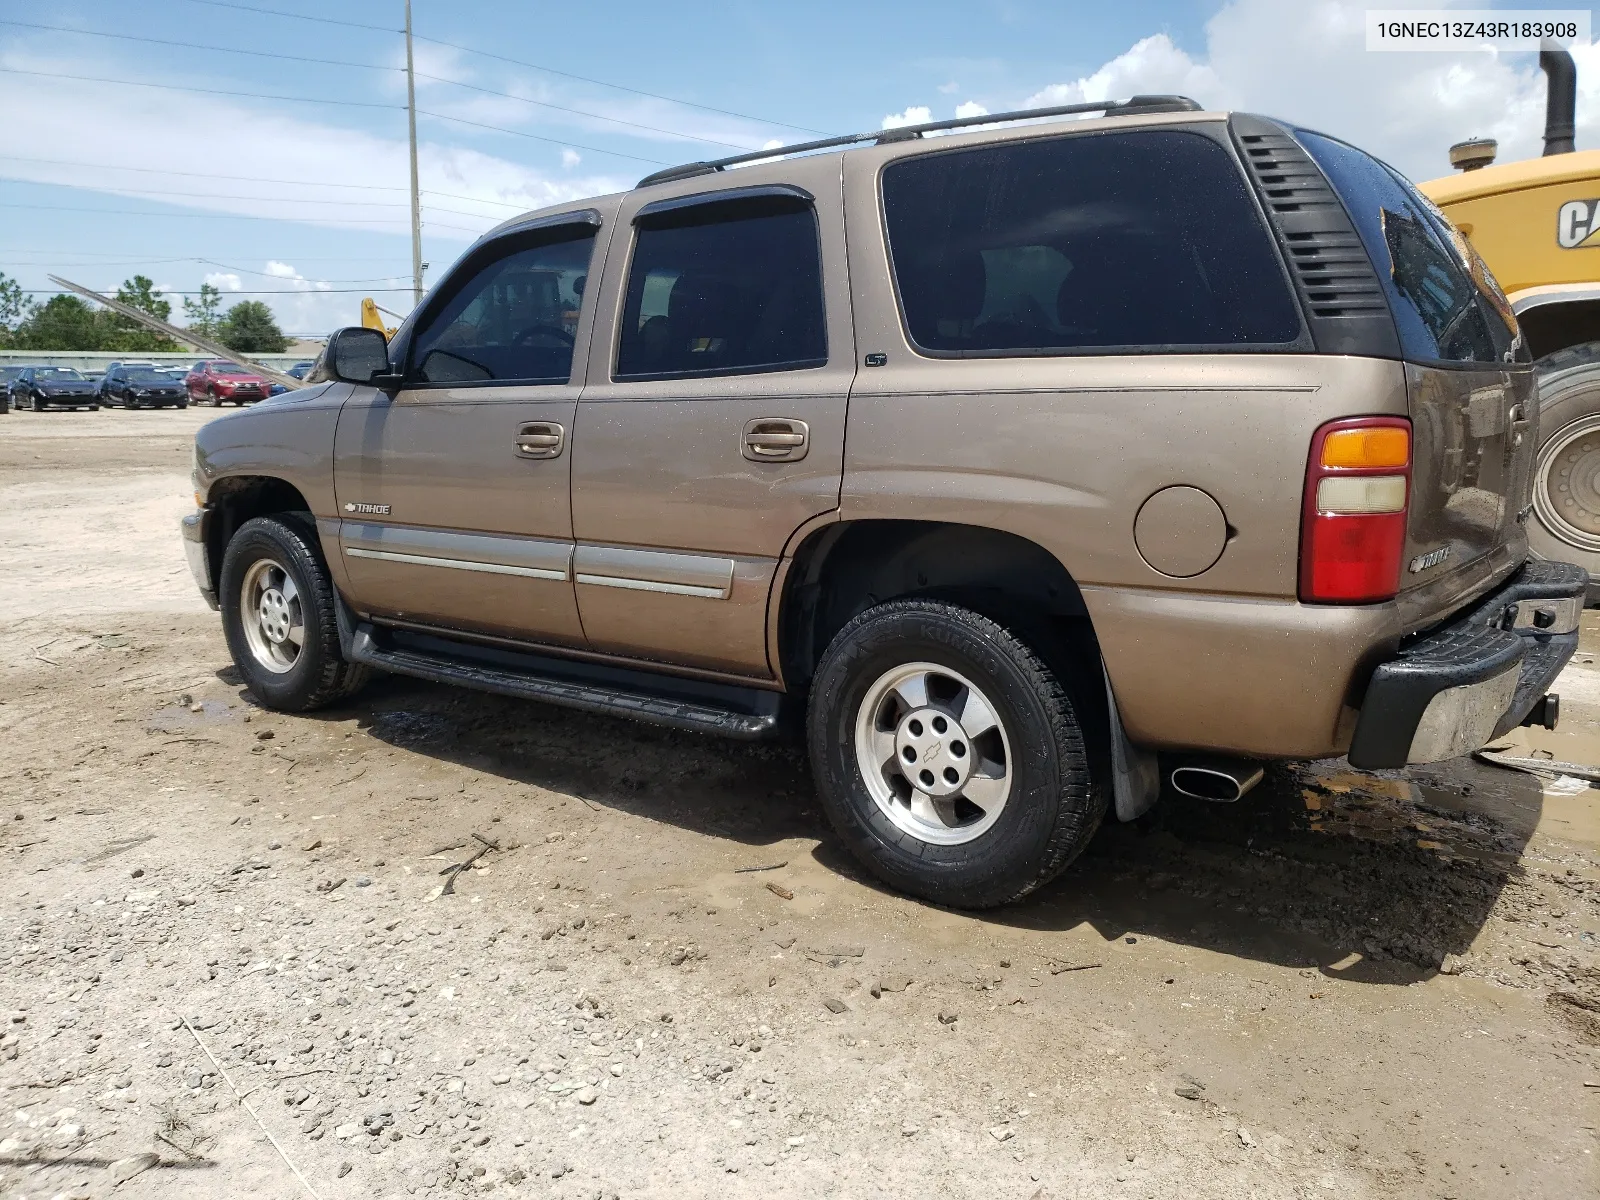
540	439
776	439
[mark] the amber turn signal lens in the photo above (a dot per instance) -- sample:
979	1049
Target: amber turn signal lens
1383	446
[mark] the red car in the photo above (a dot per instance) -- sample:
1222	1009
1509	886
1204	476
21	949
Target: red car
215	381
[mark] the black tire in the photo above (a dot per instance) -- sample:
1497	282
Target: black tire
319	675
1569	416
1054	805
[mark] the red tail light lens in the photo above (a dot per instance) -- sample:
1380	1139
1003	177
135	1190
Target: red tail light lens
1353	528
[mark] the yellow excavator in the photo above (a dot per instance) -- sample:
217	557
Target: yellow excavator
372	317
1537	225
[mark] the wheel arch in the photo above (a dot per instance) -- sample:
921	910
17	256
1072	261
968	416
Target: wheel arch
236	499
846	567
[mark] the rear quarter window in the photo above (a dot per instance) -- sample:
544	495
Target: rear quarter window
1447	307
1128	242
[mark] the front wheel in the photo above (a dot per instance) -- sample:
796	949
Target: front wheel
949	756
278	617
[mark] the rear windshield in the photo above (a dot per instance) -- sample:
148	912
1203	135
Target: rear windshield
145	375
1447	306
1142	240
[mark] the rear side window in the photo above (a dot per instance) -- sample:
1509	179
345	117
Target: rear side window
1118	241
1441	313
724	289
513	319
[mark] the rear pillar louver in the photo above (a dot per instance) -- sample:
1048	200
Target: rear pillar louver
1340	292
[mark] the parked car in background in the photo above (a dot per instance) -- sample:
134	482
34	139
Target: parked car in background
8	376
215	381
140	387
300	369
39	388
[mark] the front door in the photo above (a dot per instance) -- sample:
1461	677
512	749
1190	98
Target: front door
453	493
712	428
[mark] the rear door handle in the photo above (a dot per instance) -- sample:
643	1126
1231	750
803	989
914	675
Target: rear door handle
776	439
540	439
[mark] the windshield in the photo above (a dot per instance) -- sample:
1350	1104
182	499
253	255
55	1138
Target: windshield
231	369
57	373
7	374
145	375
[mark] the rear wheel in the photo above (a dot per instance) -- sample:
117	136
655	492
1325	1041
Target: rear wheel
1566	485
278	616
948	755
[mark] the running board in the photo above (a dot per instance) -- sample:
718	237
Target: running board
725	710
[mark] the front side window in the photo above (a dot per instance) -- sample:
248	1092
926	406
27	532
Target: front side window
1441	313
512	320
1083	243
724	289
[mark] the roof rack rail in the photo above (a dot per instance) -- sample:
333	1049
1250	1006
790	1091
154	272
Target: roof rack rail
1136	104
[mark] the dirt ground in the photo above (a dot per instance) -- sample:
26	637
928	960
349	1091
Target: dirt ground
667	981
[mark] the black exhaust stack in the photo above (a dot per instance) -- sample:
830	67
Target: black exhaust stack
1561	101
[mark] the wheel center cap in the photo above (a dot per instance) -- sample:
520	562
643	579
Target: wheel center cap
934	751
274	611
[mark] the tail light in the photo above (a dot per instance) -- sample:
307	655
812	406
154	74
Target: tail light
1353	528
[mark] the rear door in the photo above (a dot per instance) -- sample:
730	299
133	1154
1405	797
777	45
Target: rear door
454	492
712	427
1470	386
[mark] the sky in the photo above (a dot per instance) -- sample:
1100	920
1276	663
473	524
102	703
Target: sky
260	145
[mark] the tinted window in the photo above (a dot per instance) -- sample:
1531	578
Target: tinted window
142	375
56	373
724	289
1088	242
1427	269
513	319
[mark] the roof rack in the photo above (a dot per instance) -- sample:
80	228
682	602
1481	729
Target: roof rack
1136	104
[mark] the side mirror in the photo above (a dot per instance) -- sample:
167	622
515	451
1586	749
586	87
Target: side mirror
356	355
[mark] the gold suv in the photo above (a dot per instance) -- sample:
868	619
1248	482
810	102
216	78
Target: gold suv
1038	466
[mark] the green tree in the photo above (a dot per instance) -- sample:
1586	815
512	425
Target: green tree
118	332
14	307
249	328
204	315
62	323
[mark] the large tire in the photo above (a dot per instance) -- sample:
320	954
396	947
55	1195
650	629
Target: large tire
969	841
275	587
1566	485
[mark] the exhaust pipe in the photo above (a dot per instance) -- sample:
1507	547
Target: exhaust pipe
1561	101
1220	780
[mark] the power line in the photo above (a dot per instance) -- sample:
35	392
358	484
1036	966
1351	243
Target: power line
174	87
62	162
282	292
127	191
579	112
536	137
274	12
133	37
130	212
151	261
502	58
619	87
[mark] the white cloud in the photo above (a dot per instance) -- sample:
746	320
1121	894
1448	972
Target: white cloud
281	270
1316	71
949	89
916	114
570	157
772	143
226	281
971	108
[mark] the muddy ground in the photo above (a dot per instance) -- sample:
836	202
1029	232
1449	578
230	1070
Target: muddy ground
1345	986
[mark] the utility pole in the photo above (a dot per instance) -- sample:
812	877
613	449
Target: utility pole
416	195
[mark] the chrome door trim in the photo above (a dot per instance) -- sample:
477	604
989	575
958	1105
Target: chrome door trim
459	564
710	578
650	585
531	558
